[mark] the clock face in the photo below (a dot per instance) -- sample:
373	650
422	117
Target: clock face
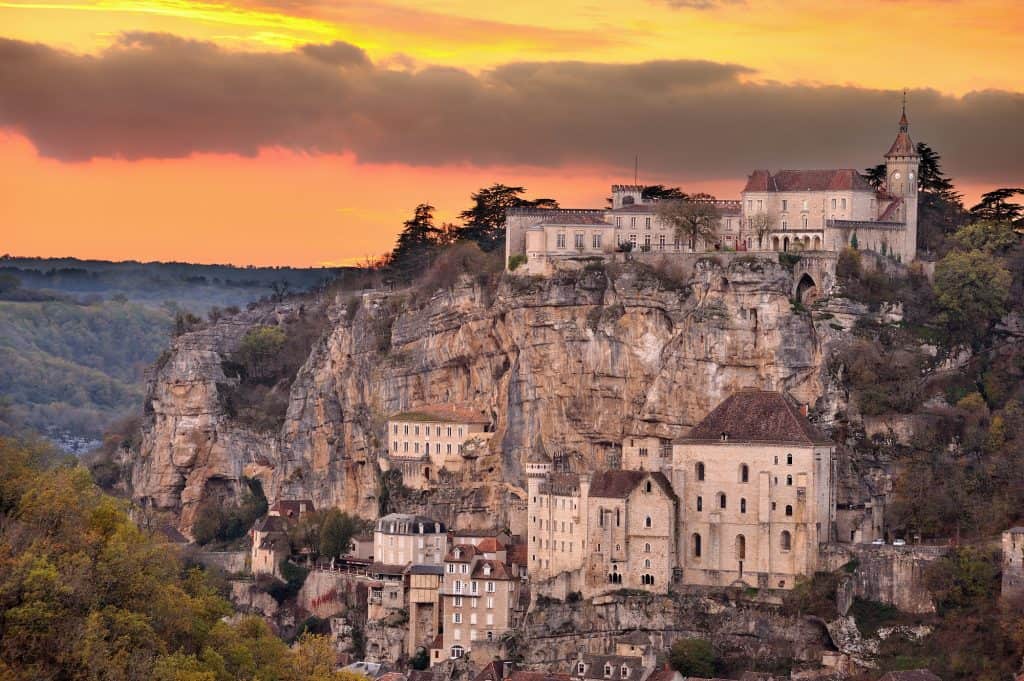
910	176
896	176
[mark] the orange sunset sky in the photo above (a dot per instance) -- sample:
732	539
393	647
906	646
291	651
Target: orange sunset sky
304	132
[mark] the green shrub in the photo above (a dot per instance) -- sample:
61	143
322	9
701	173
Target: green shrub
515	261
693	657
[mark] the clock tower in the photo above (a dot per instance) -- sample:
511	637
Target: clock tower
901	166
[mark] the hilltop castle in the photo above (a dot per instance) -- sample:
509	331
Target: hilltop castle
788	210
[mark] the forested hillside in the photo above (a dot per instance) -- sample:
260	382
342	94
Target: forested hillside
86	594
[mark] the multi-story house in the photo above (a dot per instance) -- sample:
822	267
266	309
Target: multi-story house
556	518
482	597
423	441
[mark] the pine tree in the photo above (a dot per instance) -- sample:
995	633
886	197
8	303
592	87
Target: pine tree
417	243
484	223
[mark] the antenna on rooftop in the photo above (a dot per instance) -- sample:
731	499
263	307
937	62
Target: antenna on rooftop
636	169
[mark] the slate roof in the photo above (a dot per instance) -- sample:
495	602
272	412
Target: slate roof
537	676
595	667
385	569
666	673
442	413
807	180
619	484
752	415
561	484
420	569
271	523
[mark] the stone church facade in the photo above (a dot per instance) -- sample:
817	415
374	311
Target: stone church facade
744	499
788	210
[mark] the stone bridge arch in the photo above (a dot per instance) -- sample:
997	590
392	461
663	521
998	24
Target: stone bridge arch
814	276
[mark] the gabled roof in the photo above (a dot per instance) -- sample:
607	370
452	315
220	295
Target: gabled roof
807	180
620	484
292	508
537	676
561	484
462	553
889	214
499	571
595	667
442	413
491	672
271	523
752	415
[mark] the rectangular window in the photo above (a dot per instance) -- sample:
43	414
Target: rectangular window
632	240
458	601
597	240
449	431
473	587
394	446
490	619
416	447
618	222
785	204
490	602
661	242
405	446
759	204
417	430
578	240
560	240
647	223
460	431
647	242
449	448
833	203
456	618
472	618
632	222
843	204
750	205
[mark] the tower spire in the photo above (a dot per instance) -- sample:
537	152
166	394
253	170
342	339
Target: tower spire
904	126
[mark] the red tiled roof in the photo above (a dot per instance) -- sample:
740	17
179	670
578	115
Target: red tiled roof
752	415
498	570
442	413
490	545
491	672
619	484
902	145
807	180
467	552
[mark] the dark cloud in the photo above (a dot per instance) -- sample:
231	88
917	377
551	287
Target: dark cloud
156	95
337	53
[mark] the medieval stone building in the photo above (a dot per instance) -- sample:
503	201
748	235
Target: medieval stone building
786	210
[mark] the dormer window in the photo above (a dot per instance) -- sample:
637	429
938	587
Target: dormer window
607	671
624	671
487	569
581	669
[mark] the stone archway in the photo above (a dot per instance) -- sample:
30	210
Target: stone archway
806	289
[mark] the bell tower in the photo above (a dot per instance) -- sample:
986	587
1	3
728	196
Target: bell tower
901	166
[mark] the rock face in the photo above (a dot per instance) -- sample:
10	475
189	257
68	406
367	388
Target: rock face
746	635
572	363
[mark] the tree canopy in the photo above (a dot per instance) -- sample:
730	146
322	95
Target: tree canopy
692	219
997	206
972	289
484	222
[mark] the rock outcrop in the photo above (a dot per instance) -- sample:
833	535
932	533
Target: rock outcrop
572	363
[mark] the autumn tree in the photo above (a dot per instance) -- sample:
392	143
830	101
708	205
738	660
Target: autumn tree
691	219
990	236
761	224
258	351
972	289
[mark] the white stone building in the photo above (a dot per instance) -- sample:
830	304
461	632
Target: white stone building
421	442
785	210
401	539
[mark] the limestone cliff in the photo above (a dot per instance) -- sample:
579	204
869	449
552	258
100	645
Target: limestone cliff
572	363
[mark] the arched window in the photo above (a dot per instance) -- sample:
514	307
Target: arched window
648	487
647	562
741	547
695	545
457	652
647	521
647	548
789	459
608	666
721	500
627	200
785	540
744	473
789	480
700	470
743	505
789	510
700	504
